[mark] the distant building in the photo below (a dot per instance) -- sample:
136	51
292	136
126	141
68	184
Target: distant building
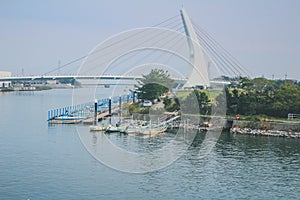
52	82
5	84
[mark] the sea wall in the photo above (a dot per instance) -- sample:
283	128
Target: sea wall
277	129
272	125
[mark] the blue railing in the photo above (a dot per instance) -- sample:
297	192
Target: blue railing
87	109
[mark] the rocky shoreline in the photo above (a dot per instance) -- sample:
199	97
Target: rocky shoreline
259	132
277	128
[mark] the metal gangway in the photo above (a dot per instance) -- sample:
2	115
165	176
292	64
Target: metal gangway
292	116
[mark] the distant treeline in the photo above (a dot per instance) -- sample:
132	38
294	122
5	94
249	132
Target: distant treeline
261	96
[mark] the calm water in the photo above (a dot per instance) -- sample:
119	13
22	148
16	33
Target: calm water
38	161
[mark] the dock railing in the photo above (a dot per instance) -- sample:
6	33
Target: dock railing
87	109
292	116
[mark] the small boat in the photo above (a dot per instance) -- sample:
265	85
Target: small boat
130	130
66	120
97	128
144	130
112	129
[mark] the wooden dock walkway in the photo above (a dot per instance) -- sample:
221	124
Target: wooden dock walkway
100	116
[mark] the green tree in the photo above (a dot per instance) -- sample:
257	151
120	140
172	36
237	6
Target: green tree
261	96
171	104
197	102
246	83
287	99
246	104
154	84
233	99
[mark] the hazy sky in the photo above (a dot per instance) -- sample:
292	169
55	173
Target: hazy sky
264	35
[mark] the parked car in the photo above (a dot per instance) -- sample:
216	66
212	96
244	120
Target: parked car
147	103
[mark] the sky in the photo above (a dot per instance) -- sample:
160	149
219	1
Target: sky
263	35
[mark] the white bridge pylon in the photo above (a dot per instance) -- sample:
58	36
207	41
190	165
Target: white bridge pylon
198	75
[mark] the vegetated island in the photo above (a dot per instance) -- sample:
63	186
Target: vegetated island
254	106
264	107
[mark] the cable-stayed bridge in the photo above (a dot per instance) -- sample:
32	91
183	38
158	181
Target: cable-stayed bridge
75	76
177	42
83	77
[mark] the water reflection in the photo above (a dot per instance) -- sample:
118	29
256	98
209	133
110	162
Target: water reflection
143	155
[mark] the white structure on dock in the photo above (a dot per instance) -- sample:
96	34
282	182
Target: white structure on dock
5	84
292	116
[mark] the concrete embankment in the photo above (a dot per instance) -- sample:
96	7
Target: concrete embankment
267	128
29	88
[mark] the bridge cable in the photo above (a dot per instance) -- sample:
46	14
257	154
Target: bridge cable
217	56
142	42
82	57
229	57
138	44
214	50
